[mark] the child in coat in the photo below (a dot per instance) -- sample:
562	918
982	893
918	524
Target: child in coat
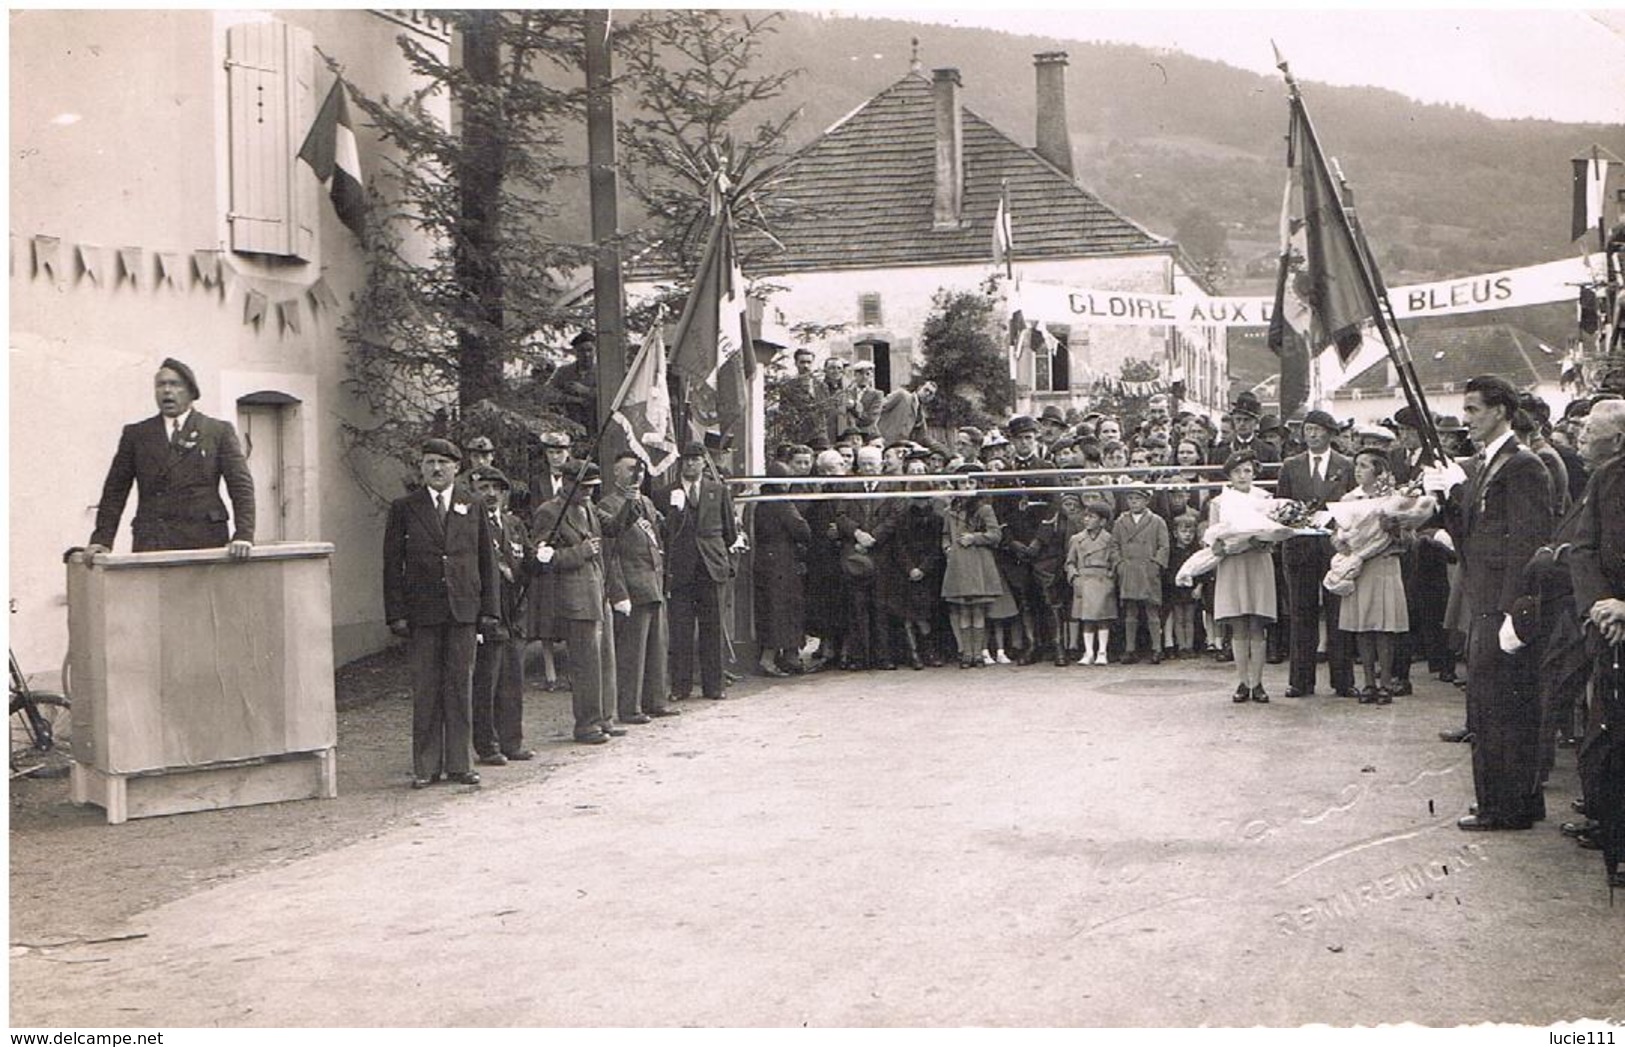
1091	559
1142	556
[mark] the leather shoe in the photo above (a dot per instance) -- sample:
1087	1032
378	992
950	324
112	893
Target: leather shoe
1402	689
665	710
1588	842
1297	692
521	754
464	777
1577	828
1456	734
595	738
424	783
1260	695
773	671
1447	676
639	719
1156	657
1477	823
1347	692
714	697
613	732
493	760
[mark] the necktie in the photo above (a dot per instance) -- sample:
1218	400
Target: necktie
1314	468
175	433
442	502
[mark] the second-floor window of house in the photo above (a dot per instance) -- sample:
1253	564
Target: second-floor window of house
270	88
869	310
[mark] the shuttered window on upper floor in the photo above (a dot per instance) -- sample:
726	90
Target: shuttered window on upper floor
270	86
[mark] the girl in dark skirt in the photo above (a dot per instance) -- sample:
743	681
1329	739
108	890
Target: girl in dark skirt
971	583
908	580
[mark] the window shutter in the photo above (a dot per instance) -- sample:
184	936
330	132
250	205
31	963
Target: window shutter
1061	366
270	73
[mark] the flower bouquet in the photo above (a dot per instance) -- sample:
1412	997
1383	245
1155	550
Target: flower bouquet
1243	524
1369	526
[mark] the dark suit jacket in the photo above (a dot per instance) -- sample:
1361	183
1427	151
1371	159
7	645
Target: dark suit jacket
1263	449
698	535
1296	482
1597	558
510	545
637	564
1497	539
861	409
578	583
437	572
179	504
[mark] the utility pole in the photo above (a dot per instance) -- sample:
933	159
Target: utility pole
609	309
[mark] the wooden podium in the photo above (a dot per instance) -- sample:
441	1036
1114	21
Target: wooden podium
199	682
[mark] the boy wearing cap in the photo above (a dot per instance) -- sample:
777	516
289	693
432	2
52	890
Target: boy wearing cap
176	460
440	585
1142	555
861	406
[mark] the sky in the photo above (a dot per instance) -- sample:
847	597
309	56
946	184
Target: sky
1554	63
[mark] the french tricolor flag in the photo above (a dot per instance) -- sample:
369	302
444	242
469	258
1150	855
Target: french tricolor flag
330	151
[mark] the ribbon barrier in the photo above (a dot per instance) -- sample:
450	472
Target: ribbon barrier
989	483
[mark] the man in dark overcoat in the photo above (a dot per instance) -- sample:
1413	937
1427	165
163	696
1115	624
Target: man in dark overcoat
1317	476
440	585
700	530
1498	520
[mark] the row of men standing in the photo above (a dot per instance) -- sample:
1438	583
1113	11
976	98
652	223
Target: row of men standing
462	575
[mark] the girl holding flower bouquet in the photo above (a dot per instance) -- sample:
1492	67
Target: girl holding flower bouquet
1244	587
1375	610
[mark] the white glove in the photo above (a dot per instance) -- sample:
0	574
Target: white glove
739	546
1509	637
545	553
1442	538
679	498
863	538
621	607
1439	479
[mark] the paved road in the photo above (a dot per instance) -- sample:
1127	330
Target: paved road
1102	846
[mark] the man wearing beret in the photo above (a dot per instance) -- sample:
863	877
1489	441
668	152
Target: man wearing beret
699	532
1315	477
440	586
574	387
177	459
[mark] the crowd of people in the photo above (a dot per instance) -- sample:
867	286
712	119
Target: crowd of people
1082	539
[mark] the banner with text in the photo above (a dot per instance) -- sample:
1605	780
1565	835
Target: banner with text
1530	285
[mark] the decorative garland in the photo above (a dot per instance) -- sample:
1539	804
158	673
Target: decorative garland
210	268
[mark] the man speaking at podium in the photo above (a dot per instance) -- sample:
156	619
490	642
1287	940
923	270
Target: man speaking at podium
176	459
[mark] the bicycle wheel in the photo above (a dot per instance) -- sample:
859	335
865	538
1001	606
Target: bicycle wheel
37	753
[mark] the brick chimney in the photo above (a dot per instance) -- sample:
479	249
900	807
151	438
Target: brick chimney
1054	141
950	181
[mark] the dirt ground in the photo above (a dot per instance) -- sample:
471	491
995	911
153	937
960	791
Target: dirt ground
75	877
1006	847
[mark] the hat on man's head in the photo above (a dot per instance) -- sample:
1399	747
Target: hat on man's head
995	439
1322	419
556	440
1408	418
584	338
1052	414
718	442
1374	431
819	443
847	434
443	448
976	435
693	449
1269	423
1449	423
1246	403
1021	423
480	443
172	364
583	472
490	474
863	365
905	445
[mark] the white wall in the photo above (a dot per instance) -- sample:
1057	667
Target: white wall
117	134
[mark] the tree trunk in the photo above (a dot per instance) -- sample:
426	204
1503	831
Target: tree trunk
478	269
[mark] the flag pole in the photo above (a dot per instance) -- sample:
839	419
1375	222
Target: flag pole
1387	323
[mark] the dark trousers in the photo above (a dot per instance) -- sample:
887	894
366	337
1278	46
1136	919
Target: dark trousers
1503	712
442	685
1278	634
640	659
868	638
1311	605
1565	669
696	605
499	694
592	673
